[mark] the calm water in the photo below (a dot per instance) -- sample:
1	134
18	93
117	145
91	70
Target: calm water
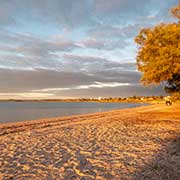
19	111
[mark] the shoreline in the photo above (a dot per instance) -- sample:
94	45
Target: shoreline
31	121
150	101
44	122
132	144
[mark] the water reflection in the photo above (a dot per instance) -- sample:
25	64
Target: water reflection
19	111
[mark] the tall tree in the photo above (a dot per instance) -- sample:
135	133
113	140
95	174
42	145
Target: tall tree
176	11
158	56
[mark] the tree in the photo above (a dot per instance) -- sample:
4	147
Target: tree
158	56
176	11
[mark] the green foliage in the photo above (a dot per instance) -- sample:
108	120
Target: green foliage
159	54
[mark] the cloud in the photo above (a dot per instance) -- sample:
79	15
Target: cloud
52	89
132	10
6	17
102	85
30	43
115	6
55	84
103	44
21	50
26	95
92	64
26	45
73	14
58	84
89	86
26	80
65	12
121	91
80	47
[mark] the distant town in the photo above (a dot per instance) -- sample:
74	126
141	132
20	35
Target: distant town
150	99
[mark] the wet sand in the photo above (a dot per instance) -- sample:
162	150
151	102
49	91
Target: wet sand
131	144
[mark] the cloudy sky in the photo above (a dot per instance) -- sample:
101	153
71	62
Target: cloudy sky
74	48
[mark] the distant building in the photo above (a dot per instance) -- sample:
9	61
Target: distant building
99	98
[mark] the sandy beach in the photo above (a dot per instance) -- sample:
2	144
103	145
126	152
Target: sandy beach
140	143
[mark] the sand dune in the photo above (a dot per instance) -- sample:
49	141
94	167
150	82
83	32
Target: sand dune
132	144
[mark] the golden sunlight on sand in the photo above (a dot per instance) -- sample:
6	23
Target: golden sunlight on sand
132	144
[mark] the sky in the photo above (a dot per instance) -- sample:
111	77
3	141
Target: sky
74	48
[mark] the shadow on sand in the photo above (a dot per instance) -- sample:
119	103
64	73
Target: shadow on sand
164	166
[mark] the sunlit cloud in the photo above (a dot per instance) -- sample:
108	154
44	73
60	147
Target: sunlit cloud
94	85
73	45
52	89
102	85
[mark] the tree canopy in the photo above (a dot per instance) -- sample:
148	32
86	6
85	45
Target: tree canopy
158	55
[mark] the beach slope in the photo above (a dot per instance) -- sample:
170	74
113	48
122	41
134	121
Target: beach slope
131	144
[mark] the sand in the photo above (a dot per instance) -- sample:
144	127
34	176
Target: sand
133	144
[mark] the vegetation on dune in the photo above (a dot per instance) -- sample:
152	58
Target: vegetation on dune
158	56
